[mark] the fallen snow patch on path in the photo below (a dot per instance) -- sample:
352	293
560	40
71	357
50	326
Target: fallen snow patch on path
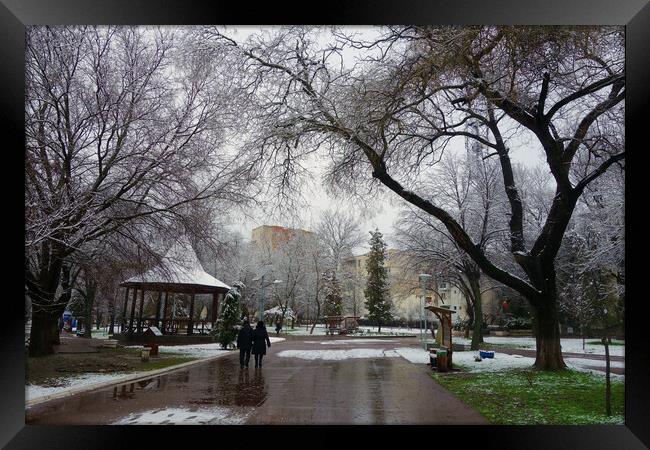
184	416
33	391
354	341
414	355
199	350
338	355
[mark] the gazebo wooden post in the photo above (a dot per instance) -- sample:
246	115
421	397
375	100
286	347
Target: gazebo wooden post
140	311
158	304
190	324
126	303
215	307
133	301
164	313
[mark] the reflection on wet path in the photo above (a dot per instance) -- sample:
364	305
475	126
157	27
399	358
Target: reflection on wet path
288	390
219	386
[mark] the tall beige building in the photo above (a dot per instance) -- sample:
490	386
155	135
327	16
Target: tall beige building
272	236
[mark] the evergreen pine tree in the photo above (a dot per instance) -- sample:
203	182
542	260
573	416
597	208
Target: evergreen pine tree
376	291
333	297
231	316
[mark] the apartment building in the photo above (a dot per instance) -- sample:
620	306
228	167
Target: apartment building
272	236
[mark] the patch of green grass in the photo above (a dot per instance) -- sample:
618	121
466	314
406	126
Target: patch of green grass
528	397
47	370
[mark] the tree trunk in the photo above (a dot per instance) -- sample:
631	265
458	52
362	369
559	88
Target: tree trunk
44	333
111	326
315	318
477	306
89	302
88	321
547	334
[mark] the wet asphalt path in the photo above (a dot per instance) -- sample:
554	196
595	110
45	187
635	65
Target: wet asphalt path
389	390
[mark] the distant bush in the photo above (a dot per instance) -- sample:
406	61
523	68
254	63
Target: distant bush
518	323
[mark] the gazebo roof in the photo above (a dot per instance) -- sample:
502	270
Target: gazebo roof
179	271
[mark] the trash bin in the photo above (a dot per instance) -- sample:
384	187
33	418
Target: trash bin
432	358
442	360
144	356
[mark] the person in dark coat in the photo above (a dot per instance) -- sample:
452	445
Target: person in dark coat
260	341
244	344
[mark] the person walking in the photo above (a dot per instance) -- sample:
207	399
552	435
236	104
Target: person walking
260	341
245	343
278	327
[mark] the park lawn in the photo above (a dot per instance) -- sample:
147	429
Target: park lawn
528	397
49	370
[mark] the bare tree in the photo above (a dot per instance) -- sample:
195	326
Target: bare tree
122	126
466	186
390	116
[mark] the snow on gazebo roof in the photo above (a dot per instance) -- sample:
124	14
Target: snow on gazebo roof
179	271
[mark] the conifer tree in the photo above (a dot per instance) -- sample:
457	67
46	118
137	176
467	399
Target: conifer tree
231	316
333	297
376	292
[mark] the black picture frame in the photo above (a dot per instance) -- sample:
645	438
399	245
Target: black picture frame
633	14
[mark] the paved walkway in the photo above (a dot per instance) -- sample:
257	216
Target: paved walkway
285	391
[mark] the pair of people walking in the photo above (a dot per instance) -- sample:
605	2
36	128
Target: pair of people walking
252	340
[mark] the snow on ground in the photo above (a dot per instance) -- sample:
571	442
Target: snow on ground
587	365
319	330
500	362
198	350
414	355
569	345
64	383
391	330
503	361
352	341
184	416
337	355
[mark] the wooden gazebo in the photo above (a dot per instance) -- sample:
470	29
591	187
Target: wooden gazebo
180	272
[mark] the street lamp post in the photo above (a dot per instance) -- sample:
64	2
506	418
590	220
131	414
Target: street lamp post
260	304
424	279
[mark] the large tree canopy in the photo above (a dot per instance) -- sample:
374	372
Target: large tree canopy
413	91
123	129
